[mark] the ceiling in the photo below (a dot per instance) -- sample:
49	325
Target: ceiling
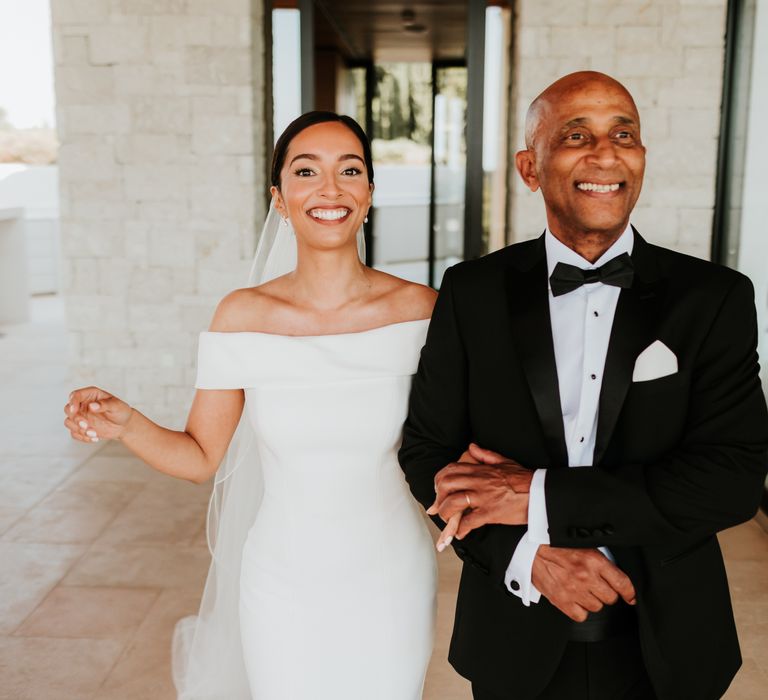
379	29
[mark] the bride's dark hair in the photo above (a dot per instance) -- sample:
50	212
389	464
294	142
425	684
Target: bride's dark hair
310	119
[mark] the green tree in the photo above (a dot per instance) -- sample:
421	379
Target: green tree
398	124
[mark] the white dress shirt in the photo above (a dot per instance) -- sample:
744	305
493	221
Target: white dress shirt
581	328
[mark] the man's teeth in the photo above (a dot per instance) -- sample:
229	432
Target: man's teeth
594	187
329	214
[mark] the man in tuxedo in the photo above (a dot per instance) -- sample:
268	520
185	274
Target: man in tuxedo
613	386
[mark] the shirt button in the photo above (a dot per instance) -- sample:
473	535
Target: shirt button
596	314
581	439
593	376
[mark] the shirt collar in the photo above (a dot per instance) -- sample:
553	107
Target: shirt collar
559	252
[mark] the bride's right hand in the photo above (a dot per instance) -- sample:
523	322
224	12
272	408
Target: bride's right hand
93	415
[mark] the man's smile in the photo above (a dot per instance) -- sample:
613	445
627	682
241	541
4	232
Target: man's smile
601	188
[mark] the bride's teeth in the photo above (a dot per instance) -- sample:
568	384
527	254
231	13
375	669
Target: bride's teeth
329	214
594	187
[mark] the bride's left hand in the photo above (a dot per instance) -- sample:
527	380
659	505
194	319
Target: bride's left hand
454	522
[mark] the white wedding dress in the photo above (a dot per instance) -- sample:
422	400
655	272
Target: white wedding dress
338	577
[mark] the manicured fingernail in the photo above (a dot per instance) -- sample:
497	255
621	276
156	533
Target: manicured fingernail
83	424
94	439
91	433
441	546
94	406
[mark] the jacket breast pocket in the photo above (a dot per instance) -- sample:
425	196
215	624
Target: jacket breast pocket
653	416
670	383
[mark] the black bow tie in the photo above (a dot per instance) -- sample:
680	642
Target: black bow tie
618	272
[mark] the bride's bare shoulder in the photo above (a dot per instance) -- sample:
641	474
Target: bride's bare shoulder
247	309
409	300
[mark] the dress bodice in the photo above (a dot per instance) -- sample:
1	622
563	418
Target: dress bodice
243	360
339	401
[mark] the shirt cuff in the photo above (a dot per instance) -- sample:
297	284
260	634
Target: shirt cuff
518	575
538	524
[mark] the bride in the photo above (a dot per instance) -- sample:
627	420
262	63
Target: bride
322	584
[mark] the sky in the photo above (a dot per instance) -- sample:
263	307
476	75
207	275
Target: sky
26	63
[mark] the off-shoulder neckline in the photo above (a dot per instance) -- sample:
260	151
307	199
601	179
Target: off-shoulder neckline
323	335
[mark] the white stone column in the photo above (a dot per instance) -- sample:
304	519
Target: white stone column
162	162
669	54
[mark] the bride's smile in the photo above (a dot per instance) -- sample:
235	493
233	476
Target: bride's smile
329	215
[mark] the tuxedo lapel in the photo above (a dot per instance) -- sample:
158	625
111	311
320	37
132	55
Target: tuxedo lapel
532	333
633	330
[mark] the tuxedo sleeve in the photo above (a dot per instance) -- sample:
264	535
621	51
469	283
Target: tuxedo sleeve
712	480
438	431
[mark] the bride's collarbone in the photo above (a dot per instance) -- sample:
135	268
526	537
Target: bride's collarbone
275	309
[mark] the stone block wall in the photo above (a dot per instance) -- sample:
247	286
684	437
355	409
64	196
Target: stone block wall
161	115
669	54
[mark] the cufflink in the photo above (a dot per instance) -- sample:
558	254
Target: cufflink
514	585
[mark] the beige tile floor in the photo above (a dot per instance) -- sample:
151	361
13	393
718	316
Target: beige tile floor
100	556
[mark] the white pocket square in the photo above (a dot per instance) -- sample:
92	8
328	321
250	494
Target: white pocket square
656	361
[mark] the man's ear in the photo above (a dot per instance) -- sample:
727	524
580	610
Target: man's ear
526	166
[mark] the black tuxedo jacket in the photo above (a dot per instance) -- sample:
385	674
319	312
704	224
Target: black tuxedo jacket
676	459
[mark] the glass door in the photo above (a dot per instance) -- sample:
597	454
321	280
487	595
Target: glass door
449	169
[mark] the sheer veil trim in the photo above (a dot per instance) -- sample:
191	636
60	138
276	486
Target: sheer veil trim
207	661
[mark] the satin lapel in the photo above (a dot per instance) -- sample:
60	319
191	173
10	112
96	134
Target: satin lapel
532	333
633	330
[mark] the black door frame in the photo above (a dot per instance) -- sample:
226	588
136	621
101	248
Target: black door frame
307	58
473	189
731	151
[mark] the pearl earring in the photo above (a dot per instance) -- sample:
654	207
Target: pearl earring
365	220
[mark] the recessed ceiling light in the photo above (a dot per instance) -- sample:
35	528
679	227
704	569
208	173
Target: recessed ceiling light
408	18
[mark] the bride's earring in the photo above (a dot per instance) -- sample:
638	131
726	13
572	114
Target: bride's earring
365	220
285	221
